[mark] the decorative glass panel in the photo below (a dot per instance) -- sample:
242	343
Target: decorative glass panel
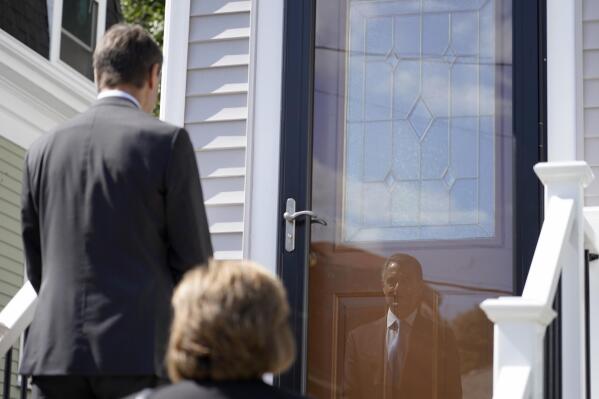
420	117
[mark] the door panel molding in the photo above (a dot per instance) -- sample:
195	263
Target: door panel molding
343	304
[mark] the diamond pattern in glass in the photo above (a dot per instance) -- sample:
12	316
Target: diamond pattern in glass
420	117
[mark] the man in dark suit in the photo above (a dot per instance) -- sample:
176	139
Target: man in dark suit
410	353
112	216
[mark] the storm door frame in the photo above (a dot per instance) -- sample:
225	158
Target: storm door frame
529	119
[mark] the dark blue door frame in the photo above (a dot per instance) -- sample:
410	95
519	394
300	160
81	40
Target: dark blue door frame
296	169
529	123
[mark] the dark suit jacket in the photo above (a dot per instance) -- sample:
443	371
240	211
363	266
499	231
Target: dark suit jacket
365	359
253	389
112	216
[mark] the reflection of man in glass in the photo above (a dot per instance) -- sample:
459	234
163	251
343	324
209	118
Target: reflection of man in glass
410	353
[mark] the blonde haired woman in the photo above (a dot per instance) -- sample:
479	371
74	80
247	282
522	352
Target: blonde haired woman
230	327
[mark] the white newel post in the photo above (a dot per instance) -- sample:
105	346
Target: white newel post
564	80
521	322
565	143
517	346
568	180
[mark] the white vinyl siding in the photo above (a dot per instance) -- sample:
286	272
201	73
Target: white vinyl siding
590	41
11	246
216	114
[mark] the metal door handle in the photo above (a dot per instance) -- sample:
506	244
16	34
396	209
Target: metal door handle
290	215
314	218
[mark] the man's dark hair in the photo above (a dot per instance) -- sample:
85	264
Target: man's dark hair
125	55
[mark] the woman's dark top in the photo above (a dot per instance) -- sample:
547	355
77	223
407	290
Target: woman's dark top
251	389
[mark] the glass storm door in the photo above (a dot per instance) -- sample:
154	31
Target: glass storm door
413	164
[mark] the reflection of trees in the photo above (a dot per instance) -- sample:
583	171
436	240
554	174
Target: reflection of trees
474	334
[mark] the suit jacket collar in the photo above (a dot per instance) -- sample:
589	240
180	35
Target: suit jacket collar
391	317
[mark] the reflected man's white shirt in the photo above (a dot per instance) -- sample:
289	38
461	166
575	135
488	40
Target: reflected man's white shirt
393	334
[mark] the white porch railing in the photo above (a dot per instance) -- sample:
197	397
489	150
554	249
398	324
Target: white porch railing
16	317
521	322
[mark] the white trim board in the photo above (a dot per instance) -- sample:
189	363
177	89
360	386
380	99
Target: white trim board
174	70
36	94
249	133
263	134
101	24
55	25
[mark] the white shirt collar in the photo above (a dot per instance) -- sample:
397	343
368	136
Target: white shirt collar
391	318
118	93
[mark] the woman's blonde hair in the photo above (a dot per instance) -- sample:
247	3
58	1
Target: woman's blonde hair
230	322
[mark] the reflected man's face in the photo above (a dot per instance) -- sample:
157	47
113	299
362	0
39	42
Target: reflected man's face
402	288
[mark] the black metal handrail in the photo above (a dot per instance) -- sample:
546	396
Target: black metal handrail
8	378
7	374
588	258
